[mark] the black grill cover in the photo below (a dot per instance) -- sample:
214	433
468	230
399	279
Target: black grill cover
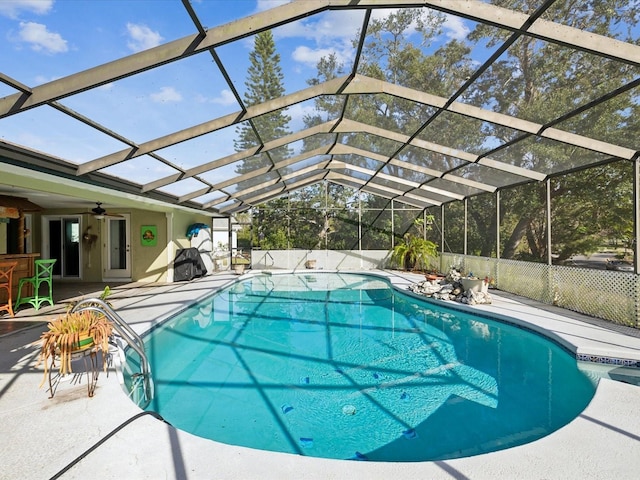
188	265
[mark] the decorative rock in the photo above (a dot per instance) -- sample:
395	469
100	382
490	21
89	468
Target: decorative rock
425	288
453	275
451	289
480	298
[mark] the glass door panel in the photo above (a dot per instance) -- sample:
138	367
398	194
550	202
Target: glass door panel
117	249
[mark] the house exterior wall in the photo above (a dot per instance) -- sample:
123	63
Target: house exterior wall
149	263
153	263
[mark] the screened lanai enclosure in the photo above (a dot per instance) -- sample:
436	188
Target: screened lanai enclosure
504	131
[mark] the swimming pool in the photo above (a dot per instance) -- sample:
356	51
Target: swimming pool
344	366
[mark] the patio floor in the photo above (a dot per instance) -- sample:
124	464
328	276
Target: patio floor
72	436
64	292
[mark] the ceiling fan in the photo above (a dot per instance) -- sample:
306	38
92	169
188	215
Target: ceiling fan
99	212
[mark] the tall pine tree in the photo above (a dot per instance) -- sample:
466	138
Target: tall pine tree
264	82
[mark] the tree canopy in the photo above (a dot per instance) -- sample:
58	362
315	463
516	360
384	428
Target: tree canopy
584	212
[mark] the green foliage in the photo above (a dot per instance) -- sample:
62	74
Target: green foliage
533	80
275	240
539	81
264	82
523	222
308	218
105	293
414	253
481	227
454	233
376	223
244	237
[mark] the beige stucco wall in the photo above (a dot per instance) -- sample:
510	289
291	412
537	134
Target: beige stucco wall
181	224
148	263
152	263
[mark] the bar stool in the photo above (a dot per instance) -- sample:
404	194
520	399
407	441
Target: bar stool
44	274
6	281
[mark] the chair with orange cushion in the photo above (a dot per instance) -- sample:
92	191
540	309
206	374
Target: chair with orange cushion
6	282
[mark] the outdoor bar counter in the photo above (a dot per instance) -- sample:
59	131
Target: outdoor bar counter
23	269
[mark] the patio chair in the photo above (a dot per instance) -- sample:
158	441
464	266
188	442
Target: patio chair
44	273
6	282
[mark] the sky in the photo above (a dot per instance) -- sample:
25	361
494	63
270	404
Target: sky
43	40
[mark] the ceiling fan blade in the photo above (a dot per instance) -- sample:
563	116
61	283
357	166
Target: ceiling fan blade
100	212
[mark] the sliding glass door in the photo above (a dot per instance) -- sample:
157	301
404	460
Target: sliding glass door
61	240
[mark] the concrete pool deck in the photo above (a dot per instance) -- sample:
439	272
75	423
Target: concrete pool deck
109	438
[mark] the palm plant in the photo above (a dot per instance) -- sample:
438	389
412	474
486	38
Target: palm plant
414	253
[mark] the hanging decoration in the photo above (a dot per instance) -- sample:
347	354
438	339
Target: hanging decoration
88	239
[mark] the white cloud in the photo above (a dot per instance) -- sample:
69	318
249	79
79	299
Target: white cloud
107	87
226	97
40	79
455	28
311	57
297	113
330	32
13	8
166	94
40	39
142	37
326	28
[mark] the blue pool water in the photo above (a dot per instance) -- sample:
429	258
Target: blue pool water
343	366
